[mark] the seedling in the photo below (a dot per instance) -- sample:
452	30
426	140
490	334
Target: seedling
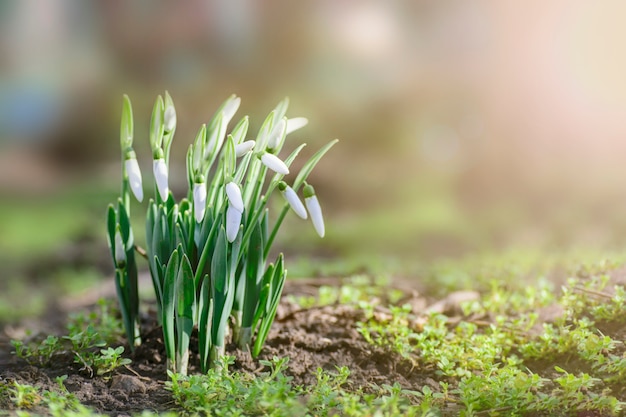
208	252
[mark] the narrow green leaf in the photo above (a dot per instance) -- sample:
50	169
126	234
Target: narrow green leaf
185	293
310	164
111	226
240	130
254	269
169	304
219	263
204	329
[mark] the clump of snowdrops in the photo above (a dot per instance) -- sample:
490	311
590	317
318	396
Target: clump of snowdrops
208	252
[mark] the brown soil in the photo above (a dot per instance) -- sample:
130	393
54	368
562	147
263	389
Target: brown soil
323	337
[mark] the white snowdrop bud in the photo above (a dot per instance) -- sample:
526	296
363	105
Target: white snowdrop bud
274	138
230	109
233	220
313	205
243	148
274	163
296	123
120	250
160	176
134	177
234	196
292	198
169	119
199	200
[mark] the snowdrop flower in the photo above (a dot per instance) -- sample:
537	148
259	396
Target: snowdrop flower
313	205
120	250
160	176
244	147
134	177
295	124
199	200
274	139
169	119
274	163
233	220
234	196
293	199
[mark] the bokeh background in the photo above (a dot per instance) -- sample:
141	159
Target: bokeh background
464	126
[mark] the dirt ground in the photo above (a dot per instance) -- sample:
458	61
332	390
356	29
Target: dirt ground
323	337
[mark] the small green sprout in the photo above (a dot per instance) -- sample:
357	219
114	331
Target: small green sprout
208	252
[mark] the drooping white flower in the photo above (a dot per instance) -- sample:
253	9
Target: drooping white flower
296	123
134	177
244	147
292	198
160	176
274	163
313	205
169	119
199	200
274	138
120	251
233	221
234	196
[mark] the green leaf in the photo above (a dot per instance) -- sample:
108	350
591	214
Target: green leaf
278	282
204	330
169	304
310	164
126	127
219	263
254	270
240	130
229	159
111	226
264	295
264	132
185	293
156	124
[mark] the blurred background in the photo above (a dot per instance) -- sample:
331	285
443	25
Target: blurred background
464	126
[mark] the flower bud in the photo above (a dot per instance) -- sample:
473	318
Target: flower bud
199	200
160	176
234	196
169	119
277	134
293	199
233	221
134	177
274	163
120	250
313	205
243	148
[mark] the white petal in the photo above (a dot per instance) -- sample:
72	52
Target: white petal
199	200
120	250
234	196
244	147
274	163
296	123
295	203
160	176
313	205
230	109
134	178
233	220
274	139
169	119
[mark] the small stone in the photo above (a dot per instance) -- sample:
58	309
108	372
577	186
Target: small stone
129	384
